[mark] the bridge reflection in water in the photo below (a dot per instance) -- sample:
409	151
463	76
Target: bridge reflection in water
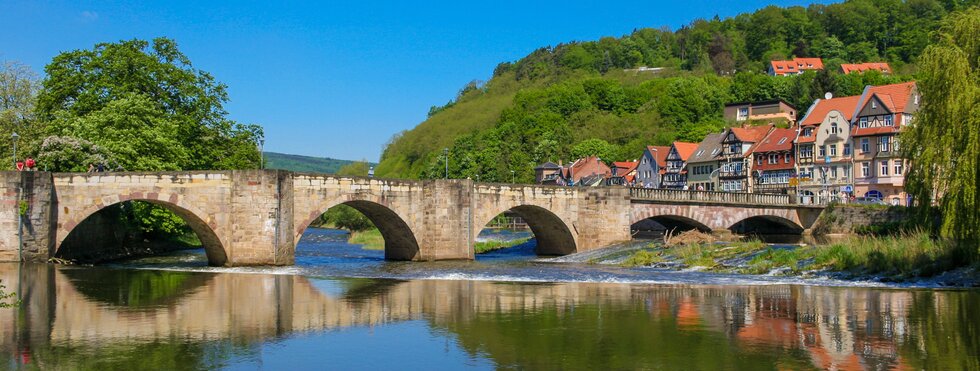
100	317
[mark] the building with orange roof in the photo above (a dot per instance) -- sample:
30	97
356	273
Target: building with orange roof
736	151
675	175
588	171
774	162
623	173
881	114
652	167
824	149
847	68
795	66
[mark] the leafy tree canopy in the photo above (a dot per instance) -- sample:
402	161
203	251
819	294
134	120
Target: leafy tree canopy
145	104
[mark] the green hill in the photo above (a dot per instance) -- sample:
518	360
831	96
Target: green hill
579	98
284	161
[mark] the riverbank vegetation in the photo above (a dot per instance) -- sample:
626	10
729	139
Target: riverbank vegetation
903	256
491	245
7	300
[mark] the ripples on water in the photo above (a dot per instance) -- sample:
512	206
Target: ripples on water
502	311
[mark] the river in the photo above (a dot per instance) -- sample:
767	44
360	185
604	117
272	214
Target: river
342	307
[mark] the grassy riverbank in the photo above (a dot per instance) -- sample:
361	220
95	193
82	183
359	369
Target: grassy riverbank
890	258
488	246
369	239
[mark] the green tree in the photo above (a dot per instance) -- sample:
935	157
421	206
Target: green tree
595	147
943	144
71	154
4	296
357	168
18	93
146	104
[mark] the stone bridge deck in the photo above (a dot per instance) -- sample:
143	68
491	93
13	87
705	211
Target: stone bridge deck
256	217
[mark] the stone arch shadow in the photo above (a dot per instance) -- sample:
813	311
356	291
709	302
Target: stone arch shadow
770	228
551	232
400	241
213	247
676	223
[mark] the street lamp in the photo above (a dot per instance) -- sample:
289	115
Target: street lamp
445	154
262	153
512	178
477	178
14	137
371	172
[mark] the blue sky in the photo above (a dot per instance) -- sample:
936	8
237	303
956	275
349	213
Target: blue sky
338	79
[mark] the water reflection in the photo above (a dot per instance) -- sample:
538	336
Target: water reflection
122	318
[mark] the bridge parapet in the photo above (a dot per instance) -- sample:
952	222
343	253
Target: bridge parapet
679	195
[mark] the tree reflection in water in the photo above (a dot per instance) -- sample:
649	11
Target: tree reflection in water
88	318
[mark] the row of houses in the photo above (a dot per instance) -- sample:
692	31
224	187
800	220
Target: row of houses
842	148
797	66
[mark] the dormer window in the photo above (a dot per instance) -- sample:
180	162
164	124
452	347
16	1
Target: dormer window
874	105
863	122
783	140
807	132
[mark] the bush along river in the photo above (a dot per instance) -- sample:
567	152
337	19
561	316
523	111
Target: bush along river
345	307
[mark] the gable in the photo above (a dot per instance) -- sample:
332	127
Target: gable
875	106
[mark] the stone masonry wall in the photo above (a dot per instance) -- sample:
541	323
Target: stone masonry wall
843	219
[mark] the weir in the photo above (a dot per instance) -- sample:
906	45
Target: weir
256	217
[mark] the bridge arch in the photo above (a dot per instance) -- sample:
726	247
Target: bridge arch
674	222
551	233
399	237
200	224
766	225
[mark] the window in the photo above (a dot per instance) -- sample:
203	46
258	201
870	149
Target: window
863	123
895	144
833	172
847	149
773	158
834	129
758	160
833	150
888	120
714	152
865	145
884	143
743	114
781	141
787	157
807	132
806	151
883	171
874	104
823	151
899	167
865	169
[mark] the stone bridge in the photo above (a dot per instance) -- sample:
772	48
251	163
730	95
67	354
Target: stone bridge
256	217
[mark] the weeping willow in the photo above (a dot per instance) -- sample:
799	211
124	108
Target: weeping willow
943	145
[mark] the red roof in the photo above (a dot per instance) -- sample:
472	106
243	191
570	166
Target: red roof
685	150
847	68
796	65
626	166
894	96
587	166
778	140
660	154
845	105
751	134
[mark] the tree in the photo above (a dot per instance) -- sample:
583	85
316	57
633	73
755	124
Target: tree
357	168
18	93
943	144
146	104
594	147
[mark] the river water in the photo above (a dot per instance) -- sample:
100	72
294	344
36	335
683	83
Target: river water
342	307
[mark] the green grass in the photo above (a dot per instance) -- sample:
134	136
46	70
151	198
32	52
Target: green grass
643	258
370	239
908	255
487	246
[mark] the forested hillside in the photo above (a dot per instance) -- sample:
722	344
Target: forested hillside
587	97
274	160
